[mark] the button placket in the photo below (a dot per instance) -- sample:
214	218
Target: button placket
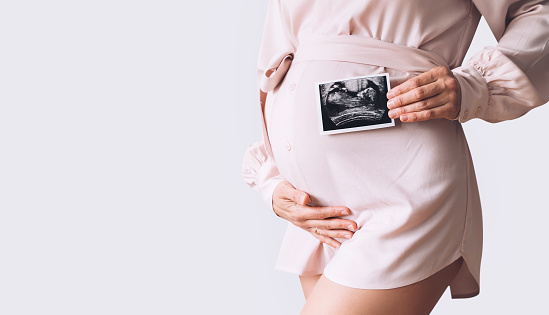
292	87
289	136
466	114
287	145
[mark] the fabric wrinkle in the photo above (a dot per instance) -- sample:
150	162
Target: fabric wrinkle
412	187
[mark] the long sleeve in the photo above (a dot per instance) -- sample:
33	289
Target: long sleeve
259	169
505	82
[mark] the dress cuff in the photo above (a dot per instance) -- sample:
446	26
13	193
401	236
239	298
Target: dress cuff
268	179
494	88
474	91
260	172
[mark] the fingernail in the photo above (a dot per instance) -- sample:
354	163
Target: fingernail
350	227
347	236
390	104
344	212
390	94
404	118
393	114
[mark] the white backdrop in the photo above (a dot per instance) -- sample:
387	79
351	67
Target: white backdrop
122	130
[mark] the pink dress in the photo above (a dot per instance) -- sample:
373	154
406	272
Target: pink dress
411	188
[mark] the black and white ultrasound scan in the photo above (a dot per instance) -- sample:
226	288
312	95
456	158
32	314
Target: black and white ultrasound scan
353	104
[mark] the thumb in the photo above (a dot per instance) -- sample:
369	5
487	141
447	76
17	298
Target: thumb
301	197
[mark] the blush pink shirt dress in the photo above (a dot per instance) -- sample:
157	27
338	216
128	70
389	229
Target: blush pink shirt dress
411	188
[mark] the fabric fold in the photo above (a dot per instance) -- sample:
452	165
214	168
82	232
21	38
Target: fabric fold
275	72
259	171
494	88
401	239
369	51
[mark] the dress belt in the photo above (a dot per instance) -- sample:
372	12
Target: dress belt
346	48
351	48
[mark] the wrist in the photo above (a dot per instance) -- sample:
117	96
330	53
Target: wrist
474	92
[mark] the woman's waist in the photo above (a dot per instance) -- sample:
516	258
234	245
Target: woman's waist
353	49
294	110
368	51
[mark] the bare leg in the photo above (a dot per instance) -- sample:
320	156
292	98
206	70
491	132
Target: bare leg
308	283
330	298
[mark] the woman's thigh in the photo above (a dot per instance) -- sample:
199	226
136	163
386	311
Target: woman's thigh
327	297
308	283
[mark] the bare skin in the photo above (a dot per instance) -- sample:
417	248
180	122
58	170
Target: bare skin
322	222
308	284
432	94
324	297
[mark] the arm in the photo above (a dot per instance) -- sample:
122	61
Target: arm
259	169
498	83
260	172
505	82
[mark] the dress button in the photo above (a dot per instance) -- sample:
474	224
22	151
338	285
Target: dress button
466	114
287	146
292	86
478	111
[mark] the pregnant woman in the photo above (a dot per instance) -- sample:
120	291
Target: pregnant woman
382	221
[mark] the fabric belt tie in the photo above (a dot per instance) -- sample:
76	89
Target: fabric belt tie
346	48
351	48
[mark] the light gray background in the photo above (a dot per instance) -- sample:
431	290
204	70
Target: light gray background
122	130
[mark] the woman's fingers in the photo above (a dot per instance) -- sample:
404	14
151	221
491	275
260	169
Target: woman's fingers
315	213
419	106
321	217
415	95
330	224
288	191
323	222
413	83
424	115
291	211
328	240
334	233
328	236
433	94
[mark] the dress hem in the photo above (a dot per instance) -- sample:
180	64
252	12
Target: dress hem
386	286
403	283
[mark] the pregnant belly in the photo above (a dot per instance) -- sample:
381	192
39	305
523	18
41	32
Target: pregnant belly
411	163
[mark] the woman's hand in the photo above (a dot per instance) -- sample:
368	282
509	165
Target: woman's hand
433	94
291	204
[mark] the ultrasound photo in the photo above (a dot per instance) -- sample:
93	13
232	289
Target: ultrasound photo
353	104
